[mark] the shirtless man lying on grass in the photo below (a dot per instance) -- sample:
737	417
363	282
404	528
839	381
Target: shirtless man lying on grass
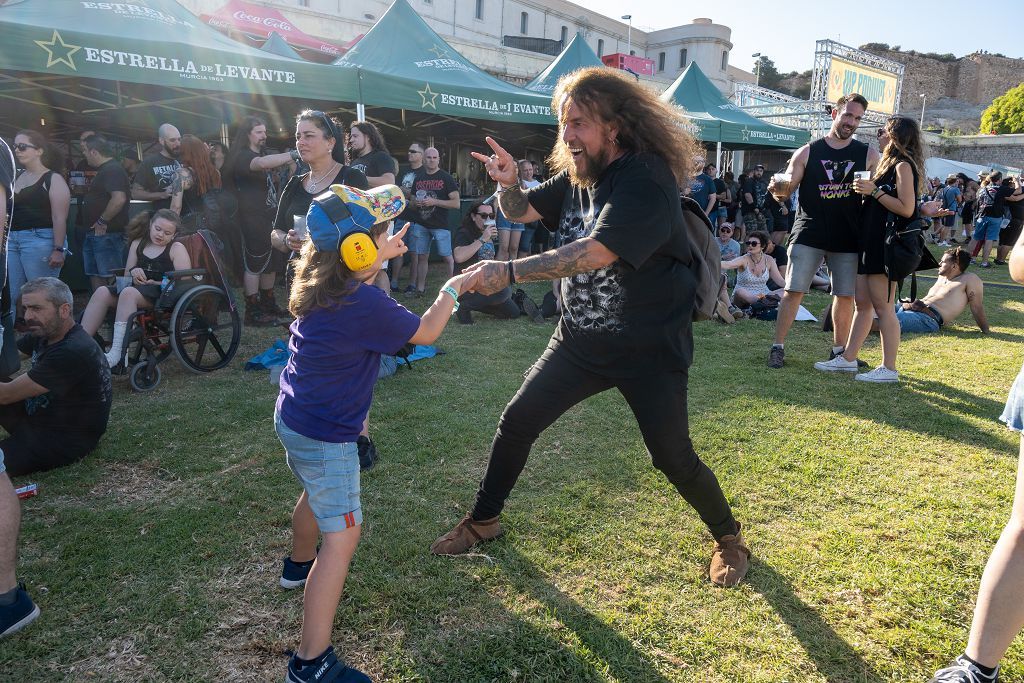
948	297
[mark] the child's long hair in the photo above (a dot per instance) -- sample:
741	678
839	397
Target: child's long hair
322	280
138	226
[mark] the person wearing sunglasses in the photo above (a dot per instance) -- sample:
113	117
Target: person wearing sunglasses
474	241
39	223
755	269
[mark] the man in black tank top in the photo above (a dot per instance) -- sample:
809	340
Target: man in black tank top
827	221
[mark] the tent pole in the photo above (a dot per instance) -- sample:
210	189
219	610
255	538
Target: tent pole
360	111
224	135
718	156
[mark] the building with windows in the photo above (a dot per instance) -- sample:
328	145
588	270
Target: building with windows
516	39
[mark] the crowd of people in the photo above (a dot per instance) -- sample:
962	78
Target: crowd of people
326	214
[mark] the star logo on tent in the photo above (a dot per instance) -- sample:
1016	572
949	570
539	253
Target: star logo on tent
745	134
58	52
438	51
429	97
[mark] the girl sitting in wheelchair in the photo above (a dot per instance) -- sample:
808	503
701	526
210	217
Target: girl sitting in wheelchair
150	255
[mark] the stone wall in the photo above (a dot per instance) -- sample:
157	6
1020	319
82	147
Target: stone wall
976	78
1007	150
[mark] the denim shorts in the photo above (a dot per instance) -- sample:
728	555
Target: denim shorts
329	472
987	228
1013	413
915	322
103	254
418	238
804	262
3	467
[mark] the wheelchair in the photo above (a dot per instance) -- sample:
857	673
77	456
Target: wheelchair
195	318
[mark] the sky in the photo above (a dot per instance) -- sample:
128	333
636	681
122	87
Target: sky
785	32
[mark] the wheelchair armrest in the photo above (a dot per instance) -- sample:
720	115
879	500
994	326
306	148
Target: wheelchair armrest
179	274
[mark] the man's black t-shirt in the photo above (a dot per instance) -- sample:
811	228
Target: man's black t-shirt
828	215
438	185
720	189
77	377
631	318
155	174
757	188
999	204
779	254
375	164
110	177
257	195
485	252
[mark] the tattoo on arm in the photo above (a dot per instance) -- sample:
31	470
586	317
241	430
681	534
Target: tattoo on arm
514	203
571	259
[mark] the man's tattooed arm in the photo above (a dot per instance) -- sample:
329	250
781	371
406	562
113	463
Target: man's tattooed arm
582	256
514	203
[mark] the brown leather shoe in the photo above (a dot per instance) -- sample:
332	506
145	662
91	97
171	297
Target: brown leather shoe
730	560
466	534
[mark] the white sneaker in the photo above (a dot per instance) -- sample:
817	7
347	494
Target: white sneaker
943	243
881	374
837	364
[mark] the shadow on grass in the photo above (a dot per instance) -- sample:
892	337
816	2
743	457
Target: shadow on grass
834	658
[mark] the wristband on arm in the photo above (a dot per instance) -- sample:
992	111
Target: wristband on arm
450	291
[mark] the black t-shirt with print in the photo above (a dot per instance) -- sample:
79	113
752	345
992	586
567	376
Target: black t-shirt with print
77	378
438	185
256	192
375	164
155	174
110	177
828	213
485	252
631	318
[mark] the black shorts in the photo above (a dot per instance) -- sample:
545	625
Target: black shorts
1009	235
32	448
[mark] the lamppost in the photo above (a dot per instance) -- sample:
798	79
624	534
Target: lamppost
757	69
629	33
924	99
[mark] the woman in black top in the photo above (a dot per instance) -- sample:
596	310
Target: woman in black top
893	194
474	241
322	150
39	221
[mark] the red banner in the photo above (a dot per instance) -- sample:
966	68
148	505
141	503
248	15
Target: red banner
255	20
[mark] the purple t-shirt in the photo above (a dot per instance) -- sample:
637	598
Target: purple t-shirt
327	386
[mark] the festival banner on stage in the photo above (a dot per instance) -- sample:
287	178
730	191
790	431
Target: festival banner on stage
878	87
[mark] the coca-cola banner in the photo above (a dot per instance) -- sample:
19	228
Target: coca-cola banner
260	21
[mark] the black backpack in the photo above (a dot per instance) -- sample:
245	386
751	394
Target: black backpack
707	259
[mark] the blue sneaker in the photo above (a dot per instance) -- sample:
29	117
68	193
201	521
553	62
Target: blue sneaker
18	614
324	668
294	574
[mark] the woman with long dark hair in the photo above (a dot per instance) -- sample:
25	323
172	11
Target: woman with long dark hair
891	196
474	241
39	221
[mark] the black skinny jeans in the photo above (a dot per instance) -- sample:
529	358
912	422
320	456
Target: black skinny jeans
658	402
499	304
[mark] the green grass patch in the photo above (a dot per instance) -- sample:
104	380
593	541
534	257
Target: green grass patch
871	511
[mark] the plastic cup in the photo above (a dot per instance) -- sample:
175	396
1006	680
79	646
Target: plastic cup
299	225
862	175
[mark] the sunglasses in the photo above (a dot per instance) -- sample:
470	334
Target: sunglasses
415	151
485	215
752	243
725	230
880	132
327	122
22	146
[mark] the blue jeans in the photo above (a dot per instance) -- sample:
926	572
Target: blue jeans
28	255
329	472
418	238
912	322
103	254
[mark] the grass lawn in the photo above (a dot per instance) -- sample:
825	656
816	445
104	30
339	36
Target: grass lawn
871	511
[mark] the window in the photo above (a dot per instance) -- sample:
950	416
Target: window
725	60
479	9
600	48
632	53
524	23
661	61
682	58
565	35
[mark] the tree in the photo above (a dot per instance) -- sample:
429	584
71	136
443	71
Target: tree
767	75
1006	113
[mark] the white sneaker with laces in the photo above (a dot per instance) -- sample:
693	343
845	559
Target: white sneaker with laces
881	375
837	364
963	671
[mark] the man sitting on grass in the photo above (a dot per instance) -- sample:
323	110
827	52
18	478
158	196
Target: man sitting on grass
947	298
56	412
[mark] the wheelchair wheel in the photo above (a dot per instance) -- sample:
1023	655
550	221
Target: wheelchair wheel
205	330
144	377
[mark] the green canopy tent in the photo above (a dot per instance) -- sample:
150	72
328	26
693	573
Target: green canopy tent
716	119
403	64
277	45
128	67
576	55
